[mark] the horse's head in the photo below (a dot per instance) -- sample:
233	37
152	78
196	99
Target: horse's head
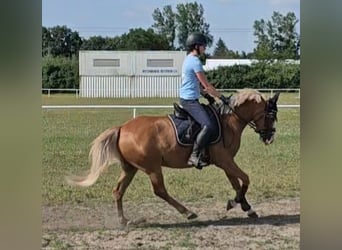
265	125
260	114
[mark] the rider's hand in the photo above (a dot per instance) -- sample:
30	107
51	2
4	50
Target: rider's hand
224	99
210	99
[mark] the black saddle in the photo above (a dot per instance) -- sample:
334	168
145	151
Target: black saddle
186	128
180	113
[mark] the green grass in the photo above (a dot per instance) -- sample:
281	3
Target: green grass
273	170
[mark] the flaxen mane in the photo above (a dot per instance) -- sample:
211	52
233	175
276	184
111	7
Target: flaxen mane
247	94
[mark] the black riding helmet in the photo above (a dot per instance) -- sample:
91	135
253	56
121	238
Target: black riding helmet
196	38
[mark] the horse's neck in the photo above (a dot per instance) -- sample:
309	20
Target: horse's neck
234	122
246	111
232	130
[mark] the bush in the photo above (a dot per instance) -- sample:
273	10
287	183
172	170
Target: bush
60	72
259	75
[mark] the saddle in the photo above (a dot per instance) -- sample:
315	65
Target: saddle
186	128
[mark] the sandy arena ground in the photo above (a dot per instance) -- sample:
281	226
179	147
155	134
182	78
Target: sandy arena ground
160	226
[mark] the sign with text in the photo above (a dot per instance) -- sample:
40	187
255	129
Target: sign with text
160	71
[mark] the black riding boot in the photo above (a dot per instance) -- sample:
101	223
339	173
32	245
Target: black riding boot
201	142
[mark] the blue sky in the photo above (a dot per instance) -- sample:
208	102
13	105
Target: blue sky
230	20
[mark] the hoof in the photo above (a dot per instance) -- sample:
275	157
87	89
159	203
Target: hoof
231	204
123	225
253	215
137	221
190	215
124	222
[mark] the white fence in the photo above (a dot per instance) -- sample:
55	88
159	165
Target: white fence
77	91
49	91
133	107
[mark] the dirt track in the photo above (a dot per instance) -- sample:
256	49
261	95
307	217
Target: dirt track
96	227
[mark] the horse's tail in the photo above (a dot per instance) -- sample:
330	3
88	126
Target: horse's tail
104	152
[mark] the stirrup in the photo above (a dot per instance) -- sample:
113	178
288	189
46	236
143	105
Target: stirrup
197	163
201	164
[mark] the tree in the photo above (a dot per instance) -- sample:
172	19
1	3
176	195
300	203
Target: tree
165	24
277	38
100	43
60	41
190	19
178	25
221	51
243	55
140	39
94	43
46	41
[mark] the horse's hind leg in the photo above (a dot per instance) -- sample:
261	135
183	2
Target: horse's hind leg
126	176
157	181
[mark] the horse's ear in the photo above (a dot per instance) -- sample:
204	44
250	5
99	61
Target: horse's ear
275	97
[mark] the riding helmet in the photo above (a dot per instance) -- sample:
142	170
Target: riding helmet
196	38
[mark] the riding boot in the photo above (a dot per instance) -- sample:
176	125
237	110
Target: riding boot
200	143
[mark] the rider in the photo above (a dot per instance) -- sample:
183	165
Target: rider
194	82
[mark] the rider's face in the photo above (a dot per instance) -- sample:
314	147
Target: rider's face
202	49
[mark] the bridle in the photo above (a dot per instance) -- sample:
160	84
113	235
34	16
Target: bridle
270	115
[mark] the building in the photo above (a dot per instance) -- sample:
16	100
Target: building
212	64
130	74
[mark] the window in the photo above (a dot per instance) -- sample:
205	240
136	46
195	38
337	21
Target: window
106	62
159	62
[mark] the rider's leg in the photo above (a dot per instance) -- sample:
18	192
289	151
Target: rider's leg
200	115
200	143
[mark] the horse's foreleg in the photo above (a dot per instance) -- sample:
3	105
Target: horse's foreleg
159	189
234	173
245	205
125	179
237	187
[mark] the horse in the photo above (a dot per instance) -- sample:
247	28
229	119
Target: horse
147	143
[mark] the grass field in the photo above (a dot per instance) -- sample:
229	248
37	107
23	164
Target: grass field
274	170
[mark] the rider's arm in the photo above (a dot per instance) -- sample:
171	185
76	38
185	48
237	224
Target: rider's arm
207	87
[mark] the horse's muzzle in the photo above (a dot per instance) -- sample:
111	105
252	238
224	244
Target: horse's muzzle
267	136
268	141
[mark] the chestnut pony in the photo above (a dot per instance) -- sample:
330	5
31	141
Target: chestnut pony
147	143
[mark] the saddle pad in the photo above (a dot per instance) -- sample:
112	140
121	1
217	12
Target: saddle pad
186	130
